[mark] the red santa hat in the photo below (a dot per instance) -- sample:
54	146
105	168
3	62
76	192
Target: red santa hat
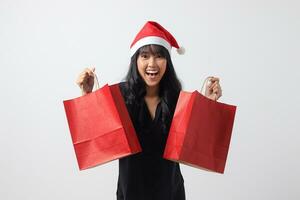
154	33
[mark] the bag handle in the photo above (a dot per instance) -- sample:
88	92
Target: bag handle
97	82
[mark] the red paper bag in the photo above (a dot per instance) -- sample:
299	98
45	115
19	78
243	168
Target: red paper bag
100	127
200	132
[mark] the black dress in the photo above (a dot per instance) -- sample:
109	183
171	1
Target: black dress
147	175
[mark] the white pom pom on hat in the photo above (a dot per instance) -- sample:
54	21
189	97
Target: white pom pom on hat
180	50
153	33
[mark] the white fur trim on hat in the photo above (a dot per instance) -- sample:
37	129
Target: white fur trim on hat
150	40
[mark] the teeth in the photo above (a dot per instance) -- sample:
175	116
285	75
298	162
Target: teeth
153	72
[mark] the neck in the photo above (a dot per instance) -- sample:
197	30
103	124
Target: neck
152	92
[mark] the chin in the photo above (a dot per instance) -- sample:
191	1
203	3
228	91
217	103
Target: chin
152	83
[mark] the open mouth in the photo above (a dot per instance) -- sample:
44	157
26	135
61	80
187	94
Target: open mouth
151	73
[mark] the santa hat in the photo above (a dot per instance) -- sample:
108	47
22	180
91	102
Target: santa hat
154	33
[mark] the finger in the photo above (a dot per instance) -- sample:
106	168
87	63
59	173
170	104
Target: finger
83	75
78	83
83	78
89	72
81	81
216	97
217	90
86	71
216	85
210	83
214	79
219	95
213	85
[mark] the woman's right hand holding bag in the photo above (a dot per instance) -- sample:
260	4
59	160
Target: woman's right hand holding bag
85	80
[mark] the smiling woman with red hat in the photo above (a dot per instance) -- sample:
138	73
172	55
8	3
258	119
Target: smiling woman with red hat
150	90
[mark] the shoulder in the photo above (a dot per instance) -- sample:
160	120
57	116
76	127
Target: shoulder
124	88
131	107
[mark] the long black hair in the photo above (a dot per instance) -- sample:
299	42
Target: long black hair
169	86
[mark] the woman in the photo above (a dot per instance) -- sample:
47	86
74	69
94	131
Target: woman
150	90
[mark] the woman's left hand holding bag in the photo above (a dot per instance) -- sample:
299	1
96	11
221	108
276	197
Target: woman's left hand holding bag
213	89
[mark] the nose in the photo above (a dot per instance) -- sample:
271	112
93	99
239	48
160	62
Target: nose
152	61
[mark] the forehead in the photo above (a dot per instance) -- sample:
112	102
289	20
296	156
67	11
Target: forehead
152	49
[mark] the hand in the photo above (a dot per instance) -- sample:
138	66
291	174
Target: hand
213	89
85	80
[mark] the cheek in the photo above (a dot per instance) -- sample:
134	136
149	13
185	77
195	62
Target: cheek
163	71
163	67
140	69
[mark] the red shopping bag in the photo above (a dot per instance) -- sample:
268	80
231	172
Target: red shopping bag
100	127
200	132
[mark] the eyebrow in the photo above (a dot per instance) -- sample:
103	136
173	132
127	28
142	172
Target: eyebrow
145	52
148	52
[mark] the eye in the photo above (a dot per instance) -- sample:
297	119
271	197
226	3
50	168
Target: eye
144	55
159	55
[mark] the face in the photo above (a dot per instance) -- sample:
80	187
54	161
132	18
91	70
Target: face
151	67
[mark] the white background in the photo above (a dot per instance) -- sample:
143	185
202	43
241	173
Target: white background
253	46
